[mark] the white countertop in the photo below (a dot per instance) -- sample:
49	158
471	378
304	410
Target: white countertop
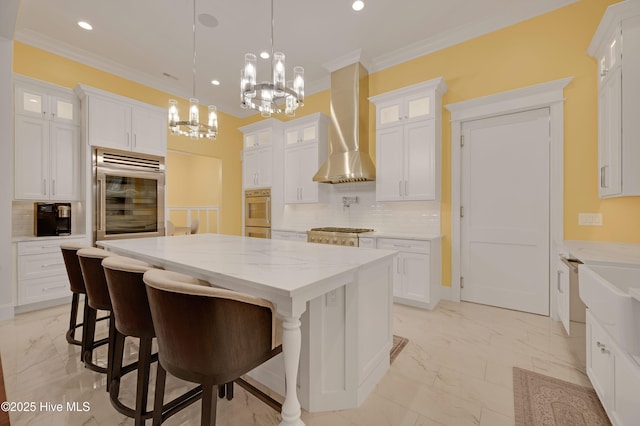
601	251
281	265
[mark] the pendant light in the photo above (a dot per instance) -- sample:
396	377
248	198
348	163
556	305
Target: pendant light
277	96
192	127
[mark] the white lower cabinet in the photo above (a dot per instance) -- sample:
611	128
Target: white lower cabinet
289	235
42	275
417	269
615	375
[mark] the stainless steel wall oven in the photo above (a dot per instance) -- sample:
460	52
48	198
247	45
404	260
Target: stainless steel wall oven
129	195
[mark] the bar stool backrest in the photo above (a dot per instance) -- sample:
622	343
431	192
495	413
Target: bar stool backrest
94	280
207	334
72	264
128	295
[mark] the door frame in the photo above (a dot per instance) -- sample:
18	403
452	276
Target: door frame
549	95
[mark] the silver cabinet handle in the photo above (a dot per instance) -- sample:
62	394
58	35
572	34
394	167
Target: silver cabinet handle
52	288
603	177
405	188
604	72
400	188
53	187
398	266
48	265
559	281
135	140
128	139
99	206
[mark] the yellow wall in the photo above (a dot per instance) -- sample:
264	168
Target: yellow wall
39	64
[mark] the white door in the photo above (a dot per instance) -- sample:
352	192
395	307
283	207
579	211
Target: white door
505	202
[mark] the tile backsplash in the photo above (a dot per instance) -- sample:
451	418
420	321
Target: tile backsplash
402	216
22	219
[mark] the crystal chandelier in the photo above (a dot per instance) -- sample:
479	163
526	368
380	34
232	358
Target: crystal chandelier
276	97
192	127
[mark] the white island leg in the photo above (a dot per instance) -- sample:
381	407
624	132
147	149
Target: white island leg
291	343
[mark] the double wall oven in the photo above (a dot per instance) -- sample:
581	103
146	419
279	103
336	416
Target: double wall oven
129	195
257	213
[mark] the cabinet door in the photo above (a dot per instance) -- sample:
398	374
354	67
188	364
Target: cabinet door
610	136
250	169
265	174
562	287
389	159
308	166
420	161
31	158
599	360
415	268
291	175
109	123
65	162
64	109
626	390
31	101
257	139
149	128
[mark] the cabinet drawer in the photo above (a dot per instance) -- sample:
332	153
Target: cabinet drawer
48	246
404	245
41	266
41	289
366	242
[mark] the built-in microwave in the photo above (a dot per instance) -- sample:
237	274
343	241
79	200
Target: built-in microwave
129	195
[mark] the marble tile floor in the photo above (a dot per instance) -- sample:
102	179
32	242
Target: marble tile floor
456	370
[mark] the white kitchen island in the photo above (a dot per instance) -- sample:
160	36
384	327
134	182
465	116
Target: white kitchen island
335	304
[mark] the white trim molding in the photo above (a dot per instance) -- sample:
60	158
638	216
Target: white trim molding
545	95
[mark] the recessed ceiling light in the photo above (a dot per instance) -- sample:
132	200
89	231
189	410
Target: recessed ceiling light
264	55
85	25
215	82
208	20
357	5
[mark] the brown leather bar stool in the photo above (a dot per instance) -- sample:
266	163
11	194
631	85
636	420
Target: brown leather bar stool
210	336
133	318
98	295
76	284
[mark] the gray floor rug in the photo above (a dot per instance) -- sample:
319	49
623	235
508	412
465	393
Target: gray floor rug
545	401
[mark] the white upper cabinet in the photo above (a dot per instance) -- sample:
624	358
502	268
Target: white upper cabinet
125	124
408	140
305	149
47	142
257	157
616	47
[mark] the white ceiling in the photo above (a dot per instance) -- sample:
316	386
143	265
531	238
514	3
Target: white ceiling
142	39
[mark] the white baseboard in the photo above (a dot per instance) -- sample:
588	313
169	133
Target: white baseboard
445	293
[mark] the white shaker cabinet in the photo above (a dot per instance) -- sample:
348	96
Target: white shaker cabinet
408	139
614	374
289	235
305	149
257	157
616	47
417	271
257	167
124	124
47	142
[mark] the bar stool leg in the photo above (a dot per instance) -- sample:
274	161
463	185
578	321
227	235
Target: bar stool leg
73	321
209	403
142	392
158	400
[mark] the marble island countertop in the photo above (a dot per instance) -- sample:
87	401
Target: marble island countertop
283	265
602	251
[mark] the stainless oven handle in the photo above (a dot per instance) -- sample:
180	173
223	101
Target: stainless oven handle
100	191
268	215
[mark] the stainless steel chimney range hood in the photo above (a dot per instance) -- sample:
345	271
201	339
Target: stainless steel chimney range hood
348	159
